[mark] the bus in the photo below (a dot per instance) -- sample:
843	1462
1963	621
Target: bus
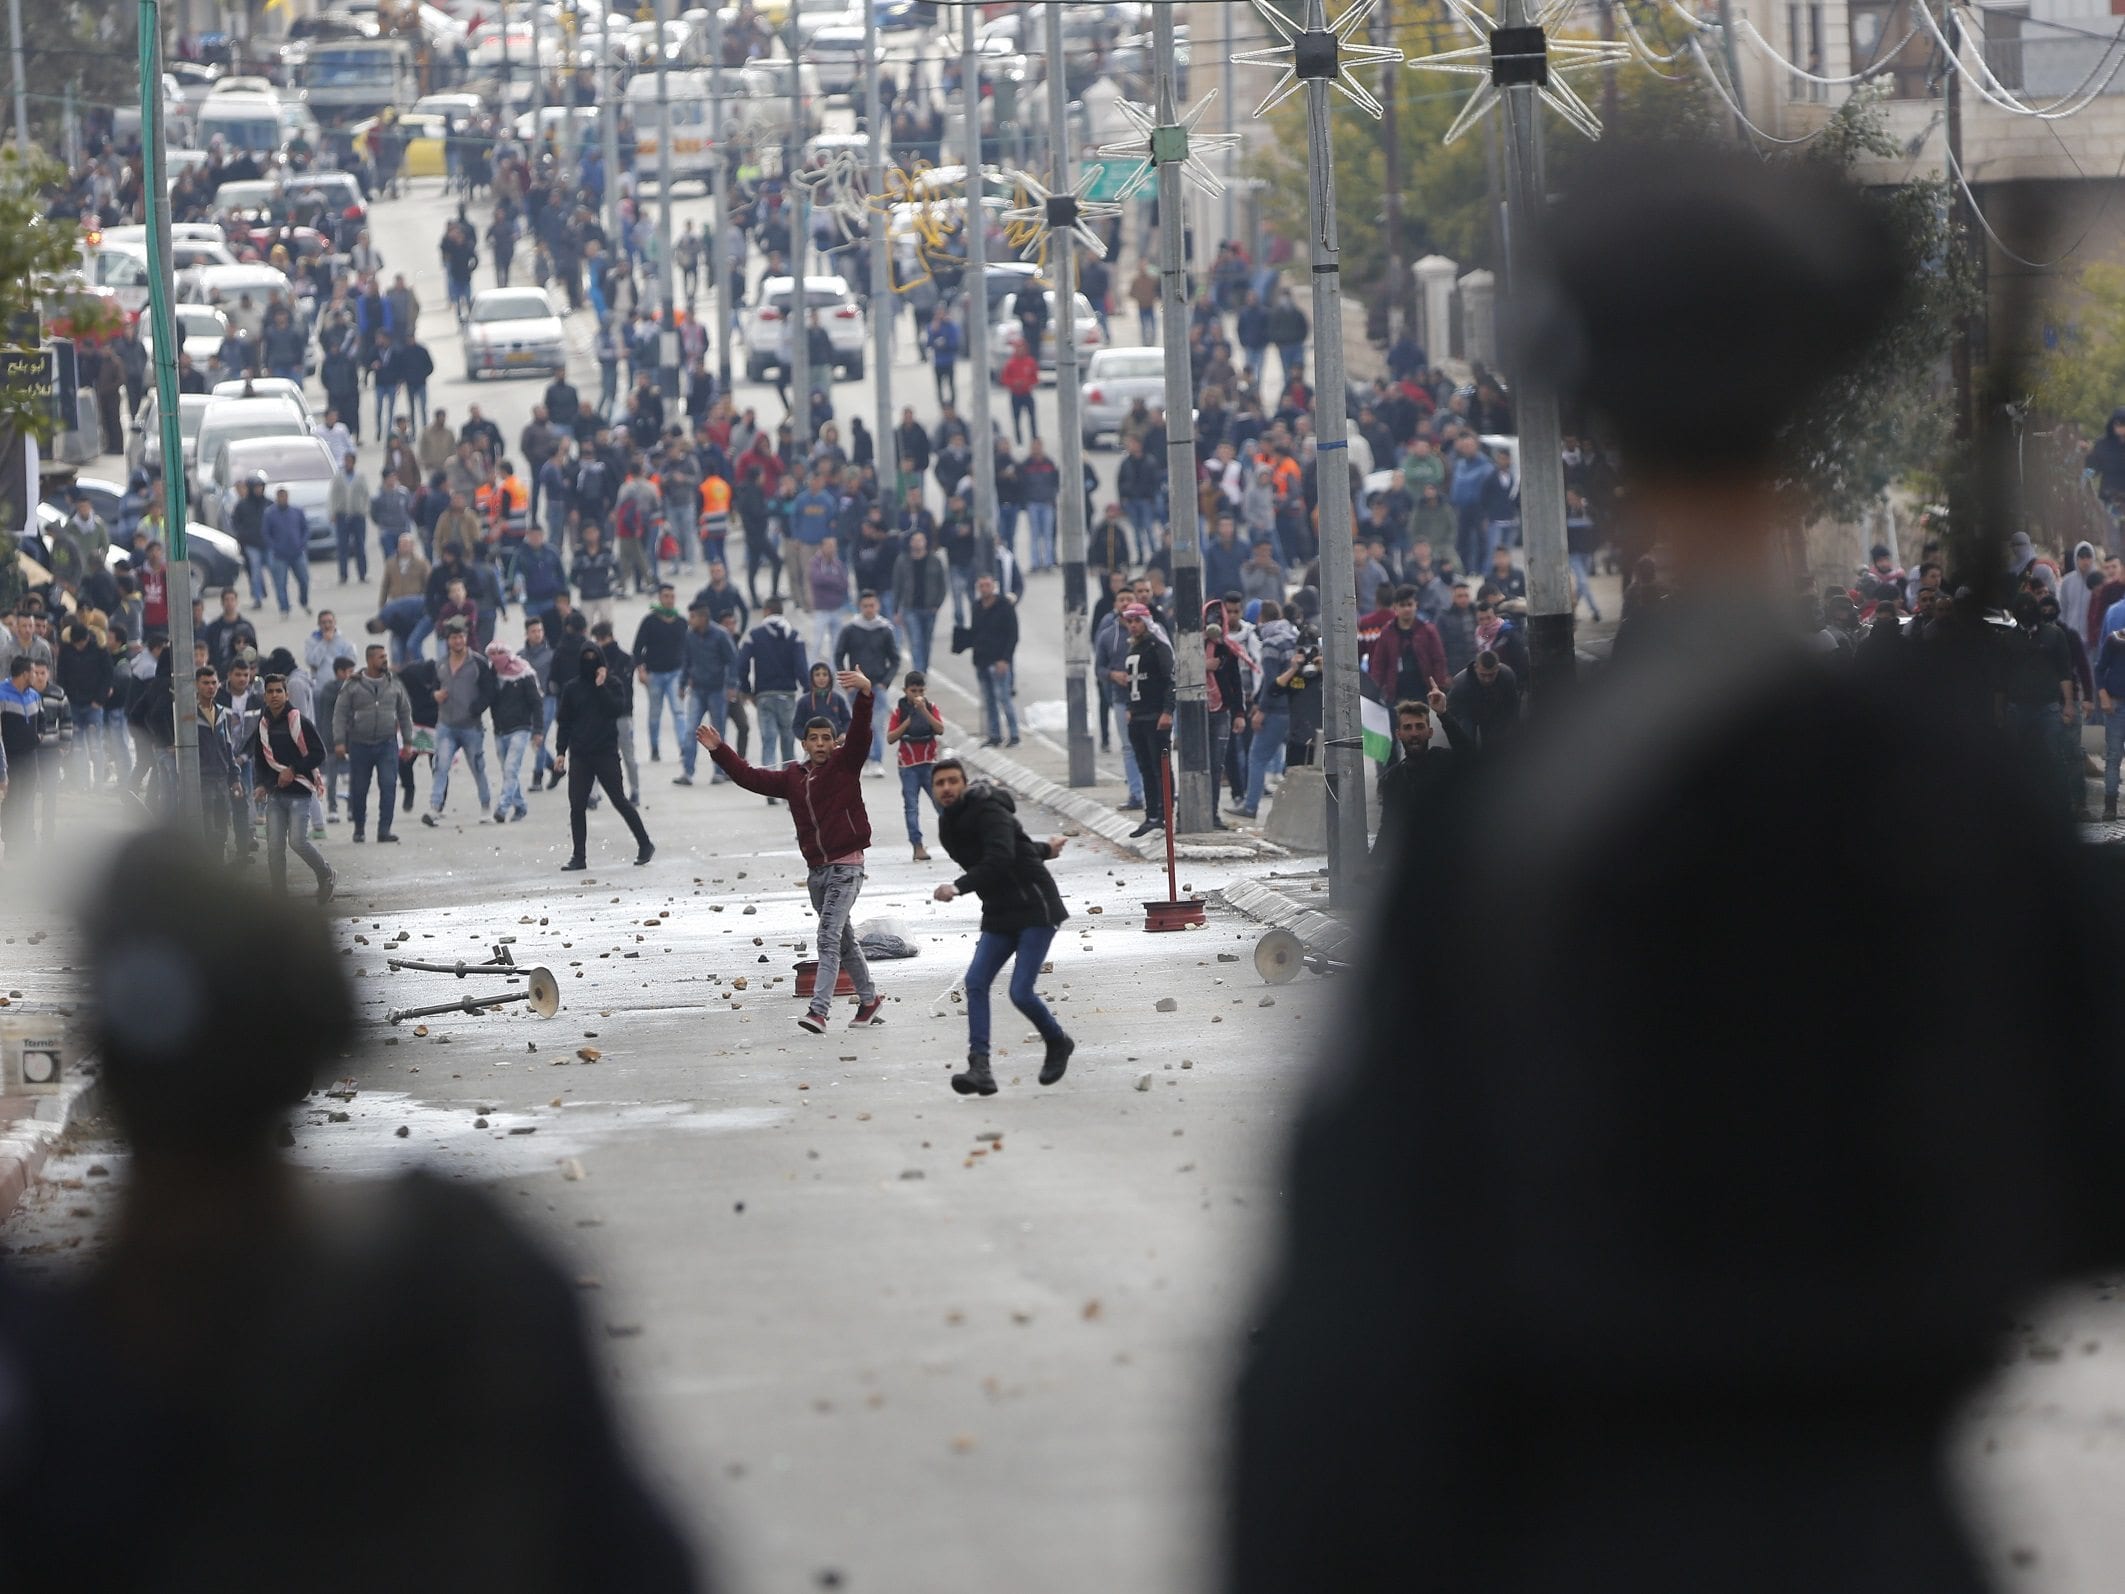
343	80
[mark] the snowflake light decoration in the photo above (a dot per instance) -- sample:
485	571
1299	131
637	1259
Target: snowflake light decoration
837	186
1144	148
1318	51
1532	55
1030	226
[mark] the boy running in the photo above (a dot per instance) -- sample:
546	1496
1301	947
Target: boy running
913	729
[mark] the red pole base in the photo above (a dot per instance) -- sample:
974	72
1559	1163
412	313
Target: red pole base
1178	914
808	978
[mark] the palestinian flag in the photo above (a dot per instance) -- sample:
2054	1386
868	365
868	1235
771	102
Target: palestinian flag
1376	718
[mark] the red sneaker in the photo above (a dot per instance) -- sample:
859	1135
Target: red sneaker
867	1014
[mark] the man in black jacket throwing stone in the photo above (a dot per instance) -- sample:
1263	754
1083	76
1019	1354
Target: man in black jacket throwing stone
1020	913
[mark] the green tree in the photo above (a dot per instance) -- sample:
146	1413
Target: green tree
2083	379
35	253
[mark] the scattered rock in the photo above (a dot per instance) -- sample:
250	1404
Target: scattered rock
332	1117
402	1131
1187	1062
622	1330
1228	957
527	1129
993	1136
418	1029
1167	1004
479	1123
913	1173
98	1171
1095	908
1143	1081
572	1170
962	1443
589	1054
749	908
1091	1310
1267	1001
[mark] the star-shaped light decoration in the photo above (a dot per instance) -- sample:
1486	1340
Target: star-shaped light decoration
1144	147
1532	55
1317	51
1028	227
910	197
837	186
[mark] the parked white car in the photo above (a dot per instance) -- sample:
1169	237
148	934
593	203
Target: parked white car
145	447
1005	334
264	387
234	420
1114	380
200	331
827	297
514	329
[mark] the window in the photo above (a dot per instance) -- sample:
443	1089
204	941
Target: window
2003	43
1883	35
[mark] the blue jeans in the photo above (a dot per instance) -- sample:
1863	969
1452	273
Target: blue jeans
1130	772
401	616
91	757
991	952
423	629
282	566
510	750
386	408
351	532
1143	515
997	705
544	761
702	706
915	780
1007	526
254	560
1582	567
367	761
449	741
1268	742
663	688
1040	523
921	628
834	889
778	727
962	593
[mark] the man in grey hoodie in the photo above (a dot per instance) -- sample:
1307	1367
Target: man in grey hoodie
372	729
868	645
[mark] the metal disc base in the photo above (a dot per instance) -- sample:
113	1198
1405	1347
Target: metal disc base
1175	915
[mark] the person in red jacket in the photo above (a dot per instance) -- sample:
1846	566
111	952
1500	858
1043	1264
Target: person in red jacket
1020	376
824	791
1408	659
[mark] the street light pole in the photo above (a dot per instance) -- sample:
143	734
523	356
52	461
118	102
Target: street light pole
882	305
162	320
719	181
22	104
538	86
667	310
571	24
609	135
1343	755
974	217
1070	503
1192	791
1550	600
800	249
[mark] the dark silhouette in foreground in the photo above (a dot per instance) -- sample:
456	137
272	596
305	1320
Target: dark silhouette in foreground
271	1382
1733	1071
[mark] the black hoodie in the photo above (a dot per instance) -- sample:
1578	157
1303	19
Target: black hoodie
1004	866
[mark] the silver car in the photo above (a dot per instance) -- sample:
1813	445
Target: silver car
827	297
514	329
303	465
1114	380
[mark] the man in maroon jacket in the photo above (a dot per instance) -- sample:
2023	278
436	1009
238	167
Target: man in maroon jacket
1408	660
824	791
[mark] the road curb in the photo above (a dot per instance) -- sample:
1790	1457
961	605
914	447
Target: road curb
25	1143
1264	902
1102	821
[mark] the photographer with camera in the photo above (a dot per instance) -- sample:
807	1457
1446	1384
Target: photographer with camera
1284	658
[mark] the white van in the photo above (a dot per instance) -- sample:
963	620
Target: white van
693	154
120	267
242	122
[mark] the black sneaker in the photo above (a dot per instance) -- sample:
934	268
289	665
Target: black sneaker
429	820
359	838
977	1080
383	836
574	864
1059	1049
325	887
682	780
649	851
1151	823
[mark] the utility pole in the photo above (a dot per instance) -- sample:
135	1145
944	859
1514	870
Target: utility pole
571	149
501	27
1343	754
163	321
876	224
22	104
1232	225
538	88
800	242
1398	280
719	182
609	135
1192	791
667	310
1550	598
1726	47
1070	503
1966	253
975	218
